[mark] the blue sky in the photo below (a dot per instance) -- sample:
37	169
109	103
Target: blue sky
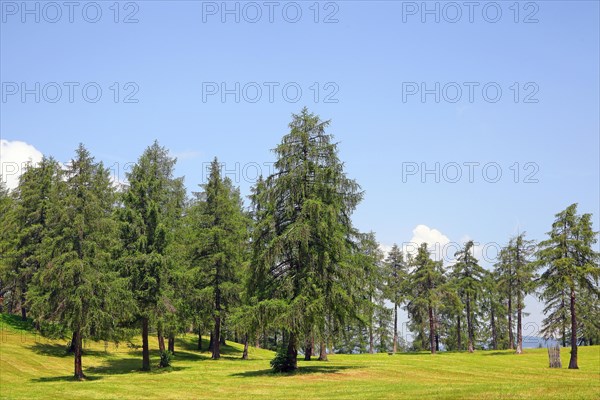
368	62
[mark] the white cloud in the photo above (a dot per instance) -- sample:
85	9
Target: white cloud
438	244
14	157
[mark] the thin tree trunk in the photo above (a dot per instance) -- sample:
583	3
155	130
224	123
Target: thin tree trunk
323	351
172	343
211	341
199	340
145	348
573	360
458	333
216	349
511	339
161	339
72	345
23	309
245	353
395	328
308	349
519	327
371	340
469	326
292	351
494	334
564	322
78	367
431	331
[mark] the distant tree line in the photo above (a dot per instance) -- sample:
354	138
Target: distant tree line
87	258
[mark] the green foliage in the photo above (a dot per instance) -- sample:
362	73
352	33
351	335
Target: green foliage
166	358
283	362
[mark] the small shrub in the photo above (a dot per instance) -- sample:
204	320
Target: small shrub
282	362
166	357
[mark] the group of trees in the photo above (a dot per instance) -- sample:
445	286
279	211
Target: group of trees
89	259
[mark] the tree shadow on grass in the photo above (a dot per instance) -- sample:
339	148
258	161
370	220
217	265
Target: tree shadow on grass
15	322
59	350
304	370
499	353
68	378
123	366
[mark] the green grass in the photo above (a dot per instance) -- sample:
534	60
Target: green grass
32	367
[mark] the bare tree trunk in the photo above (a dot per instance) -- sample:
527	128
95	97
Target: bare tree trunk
323	351
564	323
395	327
470	338
78	366
172	343
431	331
23	309
199	340
211	341
511	339
245	353
573	360
519	327
371	340
292	351
72	345
458	333
494	334
161	339
308	348
216	340
145	348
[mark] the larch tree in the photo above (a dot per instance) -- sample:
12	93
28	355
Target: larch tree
76	285
427	288
396	275
32	202
571	266
469	275
151	203
523	269
303	233
221	231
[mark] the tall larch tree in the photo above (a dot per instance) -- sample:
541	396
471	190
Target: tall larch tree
151	203
76	285
221	230
396	274
427	288
303	233
571	265
469	276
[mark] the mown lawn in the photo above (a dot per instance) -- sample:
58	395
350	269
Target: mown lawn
32	367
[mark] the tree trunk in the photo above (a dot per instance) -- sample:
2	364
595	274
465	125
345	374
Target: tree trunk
437	342
564	322
308	349
519	327
78	367
395	328
469	326
216	339
323	351
172	343
458	334
573	360
431	331
145	348
494	334
511	339
161	339
371	340
292	351
23	309
72	345
199	340
245	353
